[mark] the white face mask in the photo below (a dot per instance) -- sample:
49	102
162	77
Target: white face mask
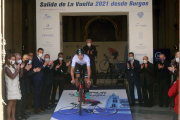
12	62
89	44
60	58
47	59
144	61
30	61
177	59
40	55
19	61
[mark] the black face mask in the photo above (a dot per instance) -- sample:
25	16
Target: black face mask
26	62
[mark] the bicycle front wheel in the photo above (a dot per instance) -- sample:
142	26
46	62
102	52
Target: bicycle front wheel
69	110
104	111
80	100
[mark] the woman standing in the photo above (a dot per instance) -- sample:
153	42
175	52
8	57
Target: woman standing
12	85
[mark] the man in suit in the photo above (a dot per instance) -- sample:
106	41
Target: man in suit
163	79
133	78
48	82
38	62
175	66
91	51
147	81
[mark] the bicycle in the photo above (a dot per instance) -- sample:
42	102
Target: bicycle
104	64
81	98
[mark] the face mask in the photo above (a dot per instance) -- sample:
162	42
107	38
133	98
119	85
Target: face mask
12	62
19	61
40	54
177	59
60	58
130	58
144	61
89	44
162	59
26	61
30	61
47	59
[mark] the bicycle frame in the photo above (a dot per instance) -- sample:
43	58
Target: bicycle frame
81	88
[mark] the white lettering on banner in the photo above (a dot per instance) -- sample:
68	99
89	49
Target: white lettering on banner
97	3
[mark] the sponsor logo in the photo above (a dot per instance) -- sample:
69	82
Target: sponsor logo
140	14
47	35
140	35
47	16
141	54
48	27
157	54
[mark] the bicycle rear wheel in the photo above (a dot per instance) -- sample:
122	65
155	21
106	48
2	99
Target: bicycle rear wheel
104	111
69	110
80	100
104	64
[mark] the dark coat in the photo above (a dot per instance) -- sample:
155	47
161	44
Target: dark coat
48	79
25	81
132	74
163	74
38	77
61	70
94	51
147	74
176	72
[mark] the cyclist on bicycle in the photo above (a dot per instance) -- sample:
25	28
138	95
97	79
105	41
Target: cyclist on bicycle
113	52
81	62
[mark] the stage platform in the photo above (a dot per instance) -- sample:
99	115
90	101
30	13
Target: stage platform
106	103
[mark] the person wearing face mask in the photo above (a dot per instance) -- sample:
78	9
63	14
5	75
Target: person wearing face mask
13	72
175	66
19	115
28	72
38	78
163	79
48	82
91	51
60	67
133	78
147	81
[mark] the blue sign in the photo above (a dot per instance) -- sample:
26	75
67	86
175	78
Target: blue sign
157	53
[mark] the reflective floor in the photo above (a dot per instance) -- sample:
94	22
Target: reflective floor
138	113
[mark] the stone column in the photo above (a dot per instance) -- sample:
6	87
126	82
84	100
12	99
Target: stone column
8	24
31	24
17	25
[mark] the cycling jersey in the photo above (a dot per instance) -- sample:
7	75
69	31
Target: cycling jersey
85	60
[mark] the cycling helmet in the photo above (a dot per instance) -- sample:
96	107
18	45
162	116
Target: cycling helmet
80	51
